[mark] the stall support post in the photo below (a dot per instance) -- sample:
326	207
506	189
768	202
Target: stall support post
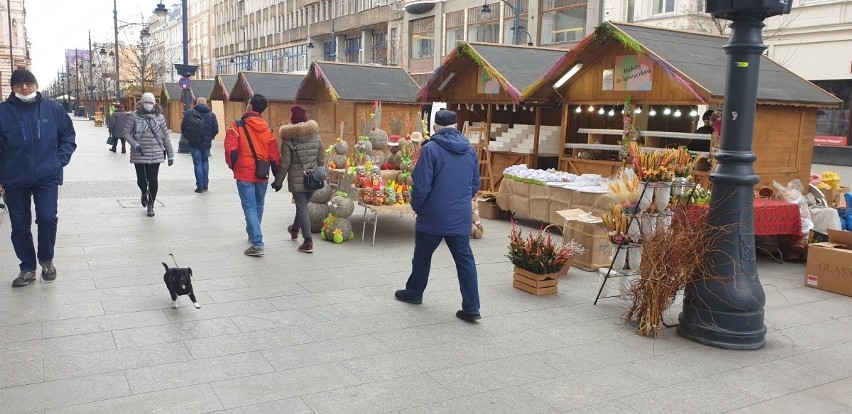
725	309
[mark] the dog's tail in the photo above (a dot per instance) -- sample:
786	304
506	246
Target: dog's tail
165	265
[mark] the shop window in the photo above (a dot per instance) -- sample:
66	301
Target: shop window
563	25
422	38
664	6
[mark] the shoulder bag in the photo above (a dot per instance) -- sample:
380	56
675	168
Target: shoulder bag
261	167
314	177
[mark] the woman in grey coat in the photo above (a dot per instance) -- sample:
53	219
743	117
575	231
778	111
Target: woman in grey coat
301	149
148	136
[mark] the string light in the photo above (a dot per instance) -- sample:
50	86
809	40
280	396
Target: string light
591	108
652	112
677	113
514	108
458	107
601	111
667	111
611	112
578	110
693	113
638	110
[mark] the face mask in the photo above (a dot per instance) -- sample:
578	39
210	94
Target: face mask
26	98
148	106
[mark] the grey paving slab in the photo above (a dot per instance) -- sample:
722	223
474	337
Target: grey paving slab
289	405
278	319
187	400
219	310
50	313
379	397
572	392
317	299
325	352
199	371
704	395
55	394
834	361
56	347
800	402
495	374
20	333
503	401
103	323
397	364
244	342
774	379
358	326
114	360
13	374
148	335
590	356
282	384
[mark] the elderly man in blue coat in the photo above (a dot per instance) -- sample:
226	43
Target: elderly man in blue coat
36	142
446	178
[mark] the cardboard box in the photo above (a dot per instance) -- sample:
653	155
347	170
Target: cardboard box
830	263
835	198
589	231
488	210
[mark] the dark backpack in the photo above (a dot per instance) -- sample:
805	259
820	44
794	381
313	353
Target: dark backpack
193	128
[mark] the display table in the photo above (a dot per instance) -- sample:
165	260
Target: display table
371	215
771	217
541	202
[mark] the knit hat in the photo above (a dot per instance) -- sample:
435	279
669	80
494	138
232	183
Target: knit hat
445	118
148	97
22	75
298	115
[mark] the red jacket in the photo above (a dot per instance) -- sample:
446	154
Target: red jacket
238	155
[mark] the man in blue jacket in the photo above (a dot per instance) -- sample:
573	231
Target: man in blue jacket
201	150
36	143
446	178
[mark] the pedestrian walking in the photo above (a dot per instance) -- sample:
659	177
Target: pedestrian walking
301	149
446	178
150	146
251	151
33	154
115	125
199	127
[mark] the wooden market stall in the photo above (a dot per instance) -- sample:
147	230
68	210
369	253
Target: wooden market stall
671	77
345	92
170	101
220	101
279	90
484	84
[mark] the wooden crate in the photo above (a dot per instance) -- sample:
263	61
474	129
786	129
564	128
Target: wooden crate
536	284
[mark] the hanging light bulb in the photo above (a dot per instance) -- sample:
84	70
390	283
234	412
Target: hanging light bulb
693	113
601	111
578	110
458	107
514	108
652	112
667	111
677	113
531	109
611	112
482	106
591	108
638	110
505	107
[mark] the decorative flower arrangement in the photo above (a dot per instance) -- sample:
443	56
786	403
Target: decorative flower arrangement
830	181
684	162
617	223
652	166
699	196
624	186
539	254
630	132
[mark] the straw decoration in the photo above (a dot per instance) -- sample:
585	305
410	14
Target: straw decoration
321	76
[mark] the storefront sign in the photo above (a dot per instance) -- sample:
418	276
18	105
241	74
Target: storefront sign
607	79
487	85
830	140
633	73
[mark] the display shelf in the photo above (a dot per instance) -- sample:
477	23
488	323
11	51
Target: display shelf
612	147
657	134
595	131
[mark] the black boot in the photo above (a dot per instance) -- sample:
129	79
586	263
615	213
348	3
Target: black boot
151	209
112	149
144	200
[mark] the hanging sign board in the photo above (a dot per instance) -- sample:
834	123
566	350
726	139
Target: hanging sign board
487	85
633	73
607	79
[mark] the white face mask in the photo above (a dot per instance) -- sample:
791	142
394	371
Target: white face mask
26	98
148	106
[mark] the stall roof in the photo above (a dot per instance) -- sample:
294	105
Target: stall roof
692	58
172	91
274	86
516	68
354	82
222	87
202	88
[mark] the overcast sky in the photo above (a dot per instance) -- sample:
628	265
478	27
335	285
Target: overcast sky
56	25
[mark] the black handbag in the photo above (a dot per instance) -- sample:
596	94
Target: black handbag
261	167
112	140
314	177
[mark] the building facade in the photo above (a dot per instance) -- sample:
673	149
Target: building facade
14	44
200	50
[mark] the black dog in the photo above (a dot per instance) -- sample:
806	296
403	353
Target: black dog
178	280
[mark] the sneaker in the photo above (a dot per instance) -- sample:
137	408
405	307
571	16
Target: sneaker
307	246
48	271
24	278
402	297
468	317
254	251
294	233
199	190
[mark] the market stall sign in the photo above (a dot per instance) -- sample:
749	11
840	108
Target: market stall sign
487	85
830	140
633	73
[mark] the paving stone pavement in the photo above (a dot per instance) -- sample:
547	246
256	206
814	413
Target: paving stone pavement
322	333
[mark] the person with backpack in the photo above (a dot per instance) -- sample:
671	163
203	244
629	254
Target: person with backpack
199	127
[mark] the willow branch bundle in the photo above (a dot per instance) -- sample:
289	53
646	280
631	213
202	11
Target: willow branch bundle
672	257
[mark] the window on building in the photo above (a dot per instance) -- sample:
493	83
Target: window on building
380	48
664	6
484	27
422	38
353	50
455	30
509	23
328	52
563	21
394	46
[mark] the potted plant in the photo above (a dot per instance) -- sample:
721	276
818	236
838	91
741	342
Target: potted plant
539	260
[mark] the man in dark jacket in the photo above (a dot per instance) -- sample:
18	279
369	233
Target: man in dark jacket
446	178
115	124
36	142
201	152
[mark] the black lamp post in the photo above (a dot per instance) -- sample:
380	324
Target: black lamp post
516	9
727	312
185	70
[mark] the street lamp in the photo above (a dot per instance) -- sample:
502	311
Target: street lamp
185	70
516	9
